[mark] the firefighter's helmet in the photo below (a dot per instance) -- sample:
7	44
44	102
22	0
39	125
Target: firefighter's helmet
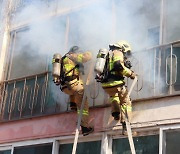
124	45
74	49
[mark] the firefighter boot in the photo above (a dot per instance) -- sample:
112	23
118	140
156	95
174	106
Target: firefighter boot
116	115
124	128
86	130
73	106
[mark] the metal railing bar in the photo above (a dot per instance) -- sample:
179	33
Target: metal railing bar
154	72
44	93
30	98
22	101
2	97
157	46
27	77
4	101
12	100
34	99
19	100
36	94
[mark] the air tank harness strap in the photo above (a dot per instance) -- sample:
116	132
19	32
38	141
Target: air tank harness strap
65	78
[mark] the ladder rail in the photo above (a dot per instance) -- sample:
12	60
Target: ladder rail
128	126
80	114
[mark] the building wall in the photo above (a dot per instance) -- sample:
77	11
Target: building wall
146	113
142	31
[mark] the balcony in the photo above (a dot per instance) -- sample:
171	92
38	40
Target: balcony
158	71
36	95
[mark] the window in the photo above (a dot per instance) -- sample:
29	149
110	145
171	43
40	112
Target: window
5	152
172	28
35	149
134	24
153	36
143	145
93	147
172	140
29	90
26	58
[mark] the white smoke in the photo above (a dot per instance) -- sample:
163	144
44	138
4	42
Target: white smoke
91	27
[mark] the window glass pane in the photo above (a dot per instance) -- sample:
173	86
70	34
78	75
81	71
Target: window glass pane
137	21
176	52
172	25
143	145
172	142
32	48
5	152
35	149
82	148
26	58
153	36
174	62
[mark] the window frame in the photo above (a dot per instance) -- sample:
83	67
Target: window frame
162	136
56	141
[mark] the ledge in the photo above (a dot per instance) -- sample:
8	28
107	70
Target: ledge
154	97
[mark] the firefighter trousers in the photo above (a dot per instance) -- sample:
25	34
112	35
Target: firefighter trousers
120	101
75	90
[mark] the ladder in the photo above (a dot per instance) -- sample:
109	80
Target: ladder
80	114
128	126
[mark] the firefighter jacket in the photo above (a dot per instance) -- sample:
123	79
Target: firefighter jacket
116	75
72	64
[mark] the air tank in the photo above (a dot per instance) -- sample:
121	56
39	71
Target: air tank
100	61
56	70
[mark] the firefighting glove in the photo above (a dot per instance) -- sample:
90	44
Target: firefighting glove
56	81
128	64
98	78
133	75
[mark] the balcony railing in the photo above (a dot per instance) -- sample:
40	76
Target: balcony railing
158	70
23	96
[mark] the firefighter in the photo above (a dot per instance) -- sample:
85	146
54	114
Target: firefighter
72	84
115	69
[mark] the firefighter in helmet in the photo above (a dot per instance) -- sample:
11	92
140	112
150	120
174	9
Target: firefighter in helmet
72	84
112	78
